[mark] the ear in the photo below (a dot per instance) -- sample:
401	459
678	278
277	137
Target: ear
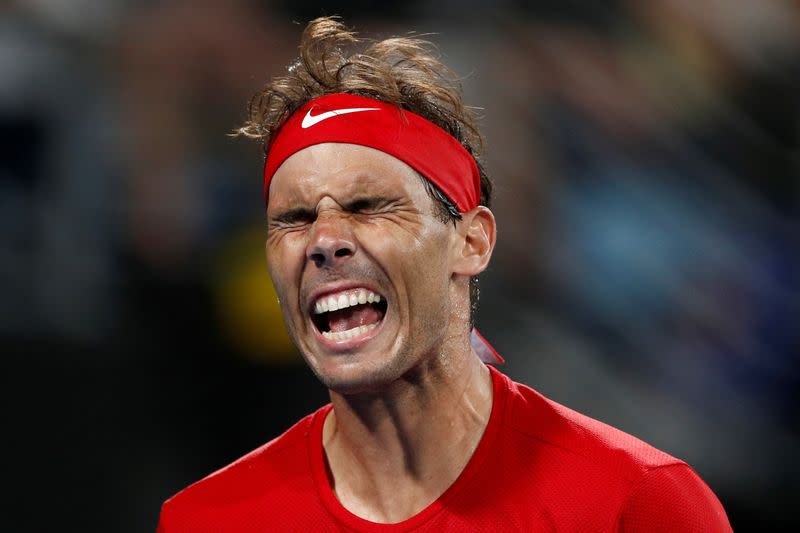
476	236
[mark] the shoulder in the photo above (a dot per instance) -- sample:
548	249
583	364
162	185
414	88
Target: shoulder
639	487
570	434
672	498
267	473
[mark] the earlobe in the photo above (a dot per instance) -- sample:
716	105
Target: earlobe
477	232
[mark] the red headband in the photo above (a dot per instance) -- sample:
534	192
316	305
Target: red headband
346	118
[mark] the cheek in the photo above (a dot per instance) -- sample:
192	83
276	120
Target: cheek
415	261
429	275
284	264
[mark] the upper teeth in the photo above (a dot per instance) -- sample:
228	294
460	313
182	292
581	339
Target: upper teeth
344	299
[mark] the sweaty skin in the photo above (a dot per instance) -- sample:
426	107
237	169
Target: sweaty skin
411	399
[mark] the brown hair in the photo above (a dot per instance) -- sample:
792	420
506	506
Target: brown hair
401	71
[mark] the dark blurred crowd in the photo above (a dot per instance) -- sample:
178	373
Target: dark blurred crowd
646	159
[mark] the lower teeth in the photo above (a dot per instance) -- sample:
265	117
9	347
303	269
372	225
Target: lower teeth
349	333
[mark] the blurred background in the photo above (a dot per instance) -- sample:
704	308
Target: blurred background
646	163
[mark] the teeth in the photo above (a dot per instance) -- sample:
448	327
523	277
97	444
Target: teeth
348	334
333	304
345	300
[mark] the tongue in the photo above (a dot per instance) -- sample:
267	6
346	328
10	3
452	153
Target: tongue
353	317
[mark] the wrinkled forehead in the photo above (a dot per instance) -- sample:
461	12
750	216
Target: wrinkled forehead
342	170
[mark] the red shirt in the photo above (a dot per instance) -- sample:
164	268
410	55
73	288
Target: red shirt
538	467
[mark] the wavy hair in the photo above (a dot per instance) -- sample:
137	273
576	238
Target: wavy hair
402	71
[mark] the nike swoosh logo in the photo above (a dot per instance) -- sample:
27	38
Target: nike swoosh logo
309	121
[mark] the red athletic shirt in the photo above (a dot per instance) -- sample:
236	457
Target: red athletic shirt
538	467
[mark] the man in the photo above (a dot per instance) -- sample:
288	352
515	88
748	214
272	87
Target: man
378	223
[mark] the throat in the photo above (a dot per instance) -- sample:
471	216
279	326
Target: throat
388	470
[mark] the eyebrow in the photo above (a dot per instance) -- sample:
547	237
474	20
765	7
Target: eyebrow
366	202
293	215
299	214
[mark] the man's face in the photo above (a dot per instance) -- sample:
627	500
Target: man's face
347	223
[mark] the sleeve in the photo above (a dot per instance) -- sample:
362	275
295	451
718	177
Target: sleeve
672	499
162	519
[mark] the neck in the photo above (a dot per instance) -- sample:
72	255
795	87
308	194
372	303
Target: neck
393	453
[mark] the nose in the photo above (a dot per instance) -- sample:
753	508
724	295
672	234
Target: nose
331	242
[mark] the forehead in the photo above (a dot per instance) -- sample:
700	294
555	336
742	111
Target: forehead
342	170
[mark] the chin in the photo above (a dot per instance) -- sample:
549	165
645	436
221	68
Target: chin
356	377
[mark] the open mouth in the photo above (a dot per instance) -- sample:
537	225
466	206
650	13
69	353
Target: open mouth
347	314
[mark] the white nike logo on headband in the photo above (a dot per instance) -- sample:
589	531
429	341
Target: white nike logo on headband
309	121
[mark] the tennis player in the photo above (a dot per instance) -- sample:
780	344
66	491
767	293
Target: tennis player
378	223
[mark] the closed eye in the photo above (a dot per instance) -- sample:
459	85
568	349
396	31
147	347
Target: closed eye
301	216
368	205
293	217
